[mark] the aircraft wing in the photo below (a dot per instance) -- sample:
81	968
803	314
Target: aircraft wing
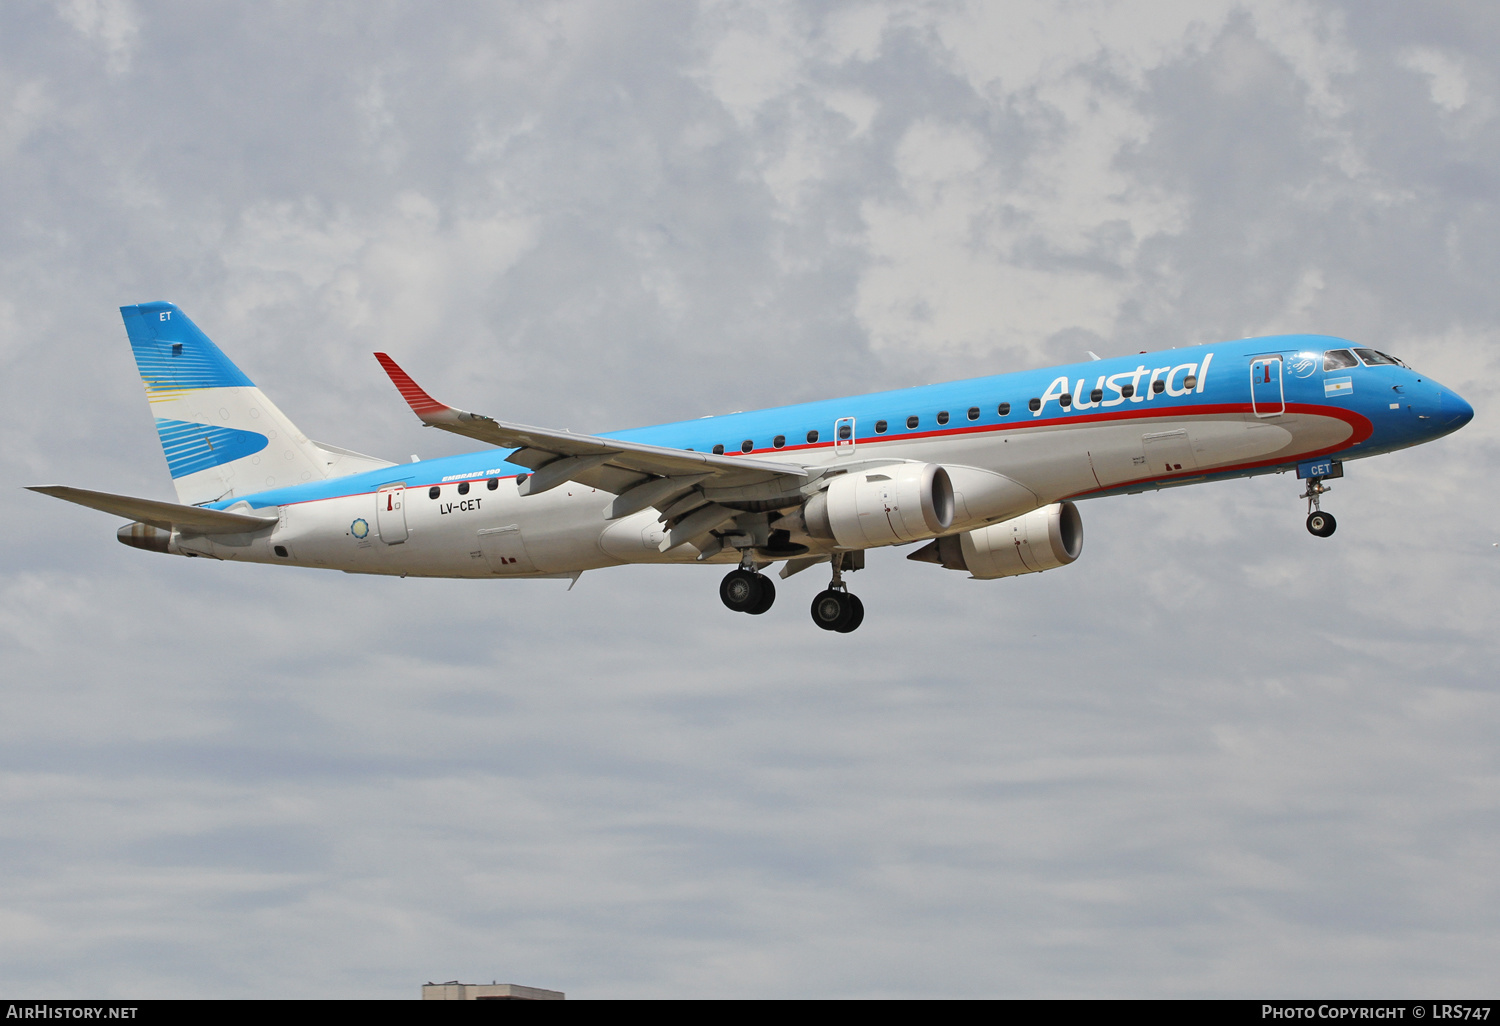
608	463
165	515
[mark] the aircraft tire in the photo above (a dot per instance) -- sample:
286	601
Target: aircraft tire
1321	524
740	590
856	617
766	596
831	610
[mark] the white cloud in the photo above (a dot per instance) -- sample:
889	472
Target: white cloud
753	54
405	270
860	108
1446	82
113	25
25	107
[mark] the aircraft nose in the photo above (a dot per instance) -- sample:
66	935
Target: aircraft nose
1453	411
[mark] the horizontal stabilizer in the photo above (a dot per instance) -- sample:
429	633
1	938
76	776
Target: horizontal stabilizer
165	515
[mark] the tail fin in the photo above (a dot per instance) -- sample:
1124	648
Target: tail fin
222	437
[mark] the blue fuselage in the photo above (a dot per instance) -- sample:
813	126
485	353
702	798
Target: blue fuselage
1084	409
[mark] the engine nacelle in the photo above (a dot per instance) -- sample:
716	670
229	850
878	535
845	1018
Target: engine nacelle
1043	539
887	505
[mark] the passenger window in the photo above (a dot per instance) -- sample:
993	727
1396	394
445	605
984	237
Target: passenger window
1065	400
1003	409
1190	382
434	492
1096	396
1128	391
1158	386
463	488
942	417
812	436
1035	404
492	483
747	445
880	427
912	422
973	413
779	441
718	450
845	431
1338	359
1377	359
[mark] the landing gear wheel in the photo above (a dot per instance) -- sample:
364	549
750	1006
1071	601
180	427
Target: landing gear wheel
740	590
856	616
767	595
1321	524
833	610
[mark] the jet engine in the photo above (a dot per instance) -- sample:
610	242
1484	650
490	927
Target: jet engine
1040	540
886	505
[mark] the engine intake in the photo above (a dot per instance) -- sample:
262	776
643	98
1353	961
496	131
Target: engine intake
1043	539
886	505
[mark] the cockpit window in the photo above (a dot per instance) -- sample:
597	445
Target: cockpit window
1377	359
1338	359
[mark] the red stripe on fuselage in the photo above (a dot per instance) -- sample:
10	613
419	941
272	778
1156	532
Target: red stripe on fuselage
1361	426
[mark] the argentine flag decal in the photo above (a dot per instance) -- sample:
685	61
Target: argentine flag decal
1337	386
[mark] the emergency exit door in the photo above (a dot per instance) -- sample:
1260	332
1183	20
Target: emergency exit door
1267	395
390	513
843	436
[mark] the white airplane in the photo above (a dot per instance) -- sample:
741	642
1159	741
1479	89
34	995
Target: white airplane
985	471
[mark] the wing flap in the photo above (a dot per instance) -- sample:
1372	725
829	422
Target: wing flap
165	515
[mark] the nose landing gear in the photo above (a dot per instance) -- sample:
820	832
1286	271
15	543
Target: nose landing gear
1318	523
1321	524
835	609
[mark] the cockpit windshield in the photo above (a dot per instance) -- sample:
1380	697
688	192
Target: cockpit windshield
1338	359
1374	358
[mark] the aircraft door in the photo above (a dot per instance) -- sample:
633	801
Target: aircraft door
1267	395
843	436
390	513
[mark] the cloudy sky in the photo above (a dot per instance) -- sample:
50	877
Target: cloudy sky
1214	757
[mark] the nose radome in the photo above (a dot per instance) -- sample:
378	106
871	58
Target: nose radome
1453	411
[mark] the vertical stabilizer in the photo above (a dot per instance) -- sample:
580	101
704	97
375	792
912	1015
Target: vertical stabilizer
222	437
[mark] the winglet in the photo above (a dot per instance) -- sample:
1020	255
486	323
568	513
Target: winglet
422	404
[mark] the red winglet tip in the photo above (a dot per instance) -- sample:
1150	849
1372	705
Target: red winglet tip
415	397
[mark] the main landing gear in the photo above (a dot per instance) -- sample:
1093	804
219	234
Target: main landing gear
836	609
1318	523
747	590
